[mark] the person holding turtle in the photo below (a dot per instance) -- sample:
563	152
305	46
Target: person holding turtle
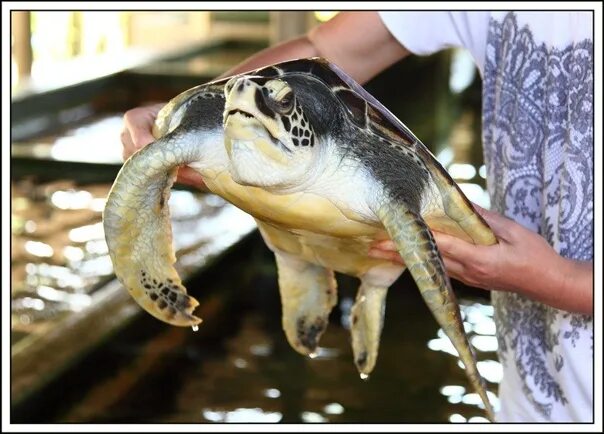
538	147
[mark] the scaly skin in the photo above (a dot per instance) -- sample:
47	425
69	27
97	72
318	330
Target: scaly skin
418	249
137	227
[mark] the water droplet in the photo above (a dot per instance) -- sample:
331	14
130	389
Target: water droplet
313	355
333	408
364	376
195	328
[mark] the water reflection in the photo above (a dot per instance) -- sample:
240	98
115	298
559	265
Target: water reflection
482	171
457	418
60	257
478	419
96	140
29	303
38	248
333	408
72	199
76	302
452	390
51	275
442	343
462	171
240	363
491	370
484	343
242	415
55	275
288	381
272	393
250	374
87	233
323	353
73	254
312	417
476	194
104	131
345	305
261	350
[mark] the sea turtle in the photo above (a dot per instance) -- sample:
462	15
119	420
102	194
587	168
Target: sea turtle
325	169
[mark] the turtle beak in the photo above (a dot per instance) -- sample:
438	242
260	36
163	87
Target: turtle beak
239	95
243	95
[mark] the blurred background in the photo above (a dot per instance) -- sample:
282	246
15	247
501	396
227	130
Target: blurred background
83	351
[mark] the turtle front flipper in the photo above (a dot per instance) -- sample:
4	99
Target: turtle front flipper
418	249
308	294
138	230
136	218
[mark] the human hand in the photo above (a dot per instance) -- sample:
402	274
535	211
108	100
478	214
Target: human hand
136	134
521	262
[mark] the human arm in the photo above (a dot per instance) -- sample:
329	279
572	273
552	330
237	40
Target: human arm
358	42
522	262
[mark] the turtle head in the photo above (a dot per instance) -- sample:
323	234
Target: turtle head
268	137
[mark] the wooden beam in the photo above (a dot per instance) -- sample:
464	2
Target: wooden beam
21	32
287	24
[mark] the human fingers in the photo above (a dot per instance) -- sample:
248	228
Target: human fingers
138	124
501	226
128	147
387	245
475	265
454	247
389	255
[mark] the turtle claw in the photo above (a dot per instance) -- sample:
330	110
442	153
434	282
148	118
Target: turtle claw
183	314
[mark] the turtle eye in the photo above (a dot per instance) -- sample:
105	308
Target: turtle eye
286	102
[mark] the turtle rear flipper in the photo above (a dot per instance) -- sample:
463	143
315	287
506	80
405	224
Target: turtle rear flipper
366	322
367	314
308	294
417	247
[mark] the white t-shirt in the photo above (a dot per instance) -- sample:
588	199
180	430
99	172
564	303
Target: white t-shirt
537	70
